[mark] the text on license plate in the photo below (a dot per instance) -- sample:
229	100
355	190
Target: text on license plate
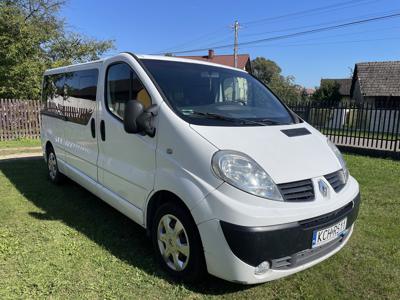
326	235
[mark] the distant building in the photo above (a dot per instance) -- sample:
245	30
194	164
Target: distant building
309	91
243	60
377	83
344	87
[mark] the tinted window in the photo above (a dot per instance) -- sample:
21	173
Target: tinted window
72	84
52	93
122	85
80	87
88	84
82	84
67	95
195	90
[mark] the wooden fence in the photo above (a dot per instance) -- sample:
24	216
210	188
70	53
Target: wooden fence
19	119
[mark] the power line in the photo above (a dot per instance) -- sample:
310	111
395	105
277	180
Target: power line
323	9
291	35
211	35
319	24
211	45
327	43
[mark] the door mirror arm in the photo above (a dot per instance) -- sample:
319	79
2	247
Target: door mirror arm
140	120
146	120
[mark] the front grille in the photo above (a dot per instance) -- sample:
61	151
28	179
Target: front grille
336	180
302	190
305	256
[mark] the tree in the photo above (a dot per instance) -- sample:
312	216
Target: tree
265	69
269	72
328	92
32	39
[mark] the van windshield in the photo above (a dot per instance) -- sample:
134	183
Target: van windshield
209	95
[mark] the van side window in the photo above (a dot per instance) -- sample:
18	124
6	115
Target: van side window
80	88
122	84
71	95
53	87
72	84
88	84
52	94
82	84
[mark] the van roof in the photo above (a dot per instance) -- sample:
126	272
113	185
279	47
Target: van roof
74	67
98	62
186	60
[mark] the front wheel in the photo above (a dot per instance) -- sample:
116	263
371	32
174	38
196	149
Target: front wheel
177	243
52	166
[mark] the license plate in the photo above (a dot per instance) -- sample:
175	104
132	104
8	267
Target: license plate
323	236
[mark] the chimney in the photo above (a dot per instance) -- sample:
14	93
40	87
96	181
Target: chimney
210	54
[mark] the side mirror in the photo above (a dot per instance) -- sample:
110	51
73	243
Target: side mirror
137	119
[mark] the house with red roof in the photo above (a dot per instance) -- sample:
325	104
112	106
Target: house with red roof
243	60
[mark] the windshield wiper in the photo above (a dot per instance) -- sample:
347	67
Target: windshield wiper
271	122
225	118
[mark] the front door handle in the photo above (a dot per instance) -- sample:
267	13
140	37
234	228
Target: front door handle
102	130
93	128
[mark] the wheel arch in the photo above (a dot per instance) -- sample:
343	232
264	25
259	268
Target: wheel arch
48	147
156	200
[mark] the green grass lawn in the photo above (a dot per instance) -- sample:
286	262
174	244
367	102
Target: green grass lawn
62	242
20	143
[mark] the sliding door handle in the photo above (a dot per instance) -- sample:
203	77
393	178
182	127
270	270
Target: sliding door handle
102	130
93	127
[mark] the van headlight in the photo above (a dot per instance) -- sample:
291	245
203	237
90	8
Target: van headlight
345	171
242	172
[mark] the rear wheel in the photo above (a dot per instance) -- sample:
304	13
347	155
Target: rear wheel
52	166
177	243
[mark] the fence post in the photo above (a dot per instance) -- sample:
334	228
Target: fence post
397	133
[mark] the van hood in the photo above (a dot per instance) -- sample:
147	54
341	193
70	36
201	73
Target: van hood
285	158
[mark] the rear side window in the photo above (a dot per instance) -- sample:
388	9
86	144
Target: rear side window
122	84
82	84
80	89
88	84
72	84
53	87
53	93
71	95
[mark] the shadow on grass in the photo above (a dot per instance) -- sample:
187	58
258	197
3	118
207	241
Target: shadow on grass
81	210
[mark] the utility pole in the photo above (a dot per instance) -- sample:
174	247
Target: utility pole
235	47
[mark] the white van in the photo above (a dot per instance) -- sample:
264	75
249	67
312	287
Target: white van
223	176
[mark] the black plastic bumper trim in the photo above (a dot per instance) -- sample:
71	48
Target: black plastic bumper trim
254	245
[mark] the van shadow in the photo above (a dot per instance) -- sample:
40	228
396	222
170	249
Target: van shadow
84	212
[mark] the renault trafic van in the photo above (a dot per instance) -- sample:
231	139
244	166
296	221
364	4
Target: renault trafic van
223	176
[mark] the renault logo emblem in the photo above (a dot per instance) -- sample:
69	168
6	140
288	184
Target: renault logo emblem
323	188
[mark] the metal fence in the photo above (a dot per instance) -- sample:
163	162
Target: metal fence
19	119
362	126
357	126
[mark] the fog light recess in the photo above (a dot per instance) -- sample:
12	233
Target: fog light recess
261	268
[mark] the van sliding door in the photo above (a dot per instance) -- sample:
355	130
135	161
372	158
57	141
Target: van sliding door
81	111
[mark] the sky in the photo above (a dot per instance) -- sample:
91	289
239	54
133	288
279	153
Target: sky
149	27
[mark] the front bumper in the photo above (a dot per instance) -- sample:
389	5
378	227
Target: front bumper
232	252
286	245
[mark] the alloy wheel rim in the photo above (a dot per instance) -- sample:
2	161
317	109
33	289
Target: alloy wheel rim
52	166
173	242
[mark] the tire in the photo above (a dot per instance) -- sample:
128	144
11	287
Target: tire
177	243
52	167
